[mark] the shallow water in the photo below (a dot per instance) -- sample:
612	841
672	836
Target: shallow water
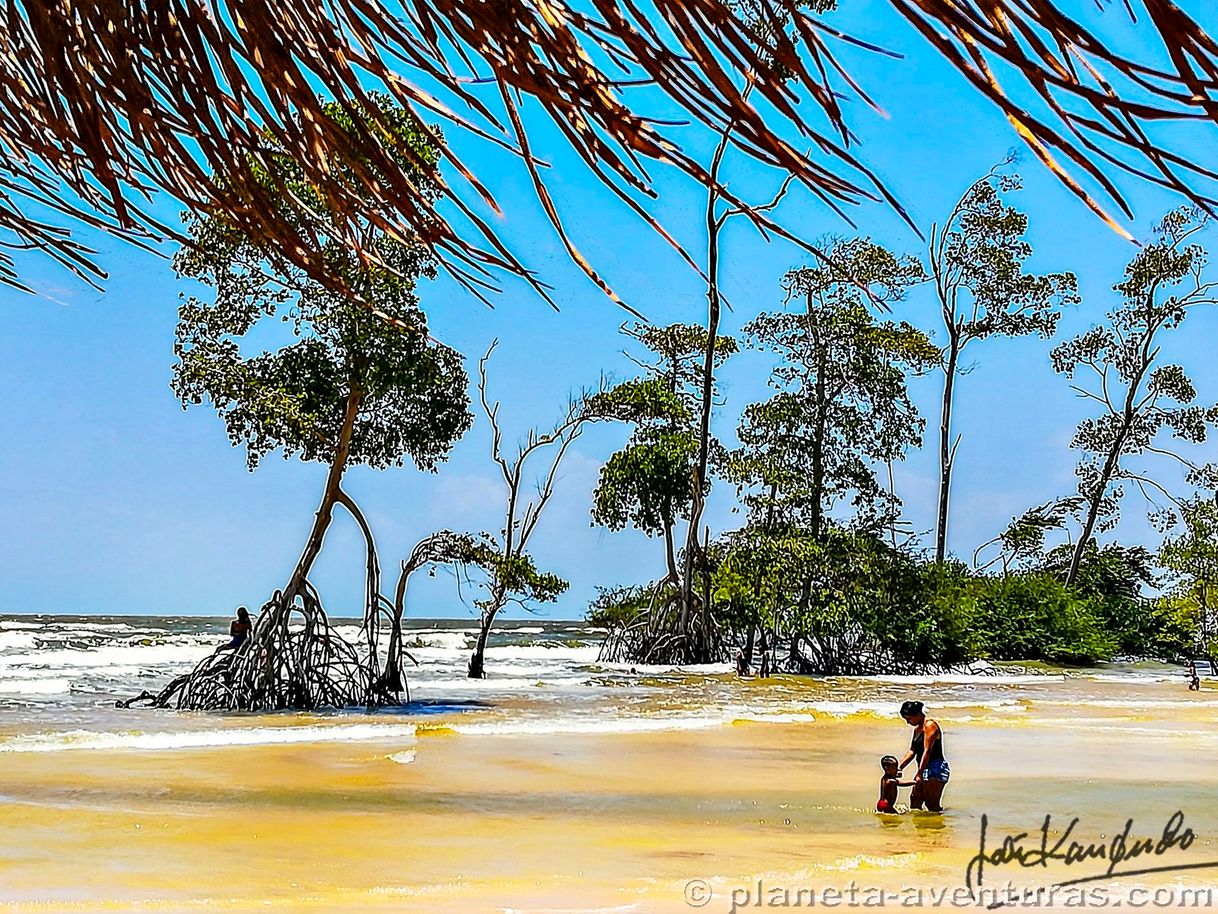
561	784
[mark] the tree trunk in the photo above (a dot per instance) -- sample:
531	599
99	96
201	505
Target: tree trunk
670	554
1093	504
325	512
693	551
945	446
477	660
1129	412
818	435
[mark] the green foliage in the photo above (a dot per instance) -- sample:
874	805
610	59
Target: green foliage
851	602
617	607
1035	616
410	391
854	605
1023	543
1141	400
649	483
978	262
516	576
842	405
1190	558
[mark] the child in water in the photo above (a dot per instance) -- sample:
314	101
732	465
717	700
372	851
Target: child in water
890	781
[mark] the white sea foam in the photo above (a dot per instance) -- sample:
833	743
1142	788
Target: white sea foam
10	641
9	624
597	725
971	678
402	758
439	640
76	740
43	686
113	654
1124	704
544	652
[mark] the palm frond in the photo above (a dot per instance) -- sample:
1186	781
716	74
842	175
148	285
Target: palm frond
104	102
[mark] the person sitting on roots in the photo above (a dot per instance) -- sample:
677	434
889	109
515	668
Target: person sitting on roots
238	630
927	748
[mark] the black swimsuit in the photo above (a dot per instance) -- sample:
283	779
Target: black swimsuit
918	746
937	767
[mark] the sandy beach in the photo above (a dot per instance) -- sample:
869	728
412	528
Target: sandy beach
646	792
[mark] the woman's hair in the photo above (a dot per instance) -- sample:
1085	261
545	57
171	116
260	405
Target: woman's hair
888	760
911	708
243	612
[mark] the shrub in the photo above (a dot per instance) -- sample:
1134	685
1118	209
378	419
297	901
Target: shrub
618	607
1035	616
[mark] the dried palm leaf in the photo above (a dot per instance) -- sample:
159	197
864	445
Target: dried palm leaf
103	102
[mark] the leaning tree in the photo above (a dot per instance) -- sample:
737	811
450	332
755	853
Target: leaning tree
345	386
977	263
1142	399
660	477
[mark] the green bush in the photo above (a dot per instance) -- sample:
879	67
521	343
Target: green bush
945	628
618	607
1034	616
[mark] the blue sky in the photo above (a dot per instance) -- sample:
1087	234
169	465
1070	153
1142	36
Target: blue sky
118	501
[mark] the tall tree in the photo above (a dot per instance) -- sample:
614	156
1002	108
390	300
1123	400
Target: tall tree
512	575
344	386
977	261
842	406
649	484
1139	395
841	410
1190	556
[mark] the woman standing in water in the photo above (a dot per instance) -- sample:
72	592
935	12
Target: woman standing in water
927	748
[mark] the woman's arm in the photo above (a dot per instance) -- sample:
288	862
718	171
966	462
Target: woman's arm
906	760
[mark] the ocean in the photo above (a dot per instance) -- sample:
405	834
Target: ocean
560	783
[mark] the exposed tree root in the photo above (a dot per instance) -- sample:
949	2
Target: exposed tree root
668	633
293	659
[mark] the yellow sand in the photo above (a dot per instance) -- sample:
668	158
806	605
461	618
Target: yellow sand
484	823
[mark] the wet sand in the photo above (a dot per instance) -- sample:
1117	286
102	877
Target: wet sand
452	821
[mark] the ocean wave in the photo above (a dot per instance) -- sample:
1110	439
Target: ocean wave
114	654
37	686
17	640
438	640
10	624
77	740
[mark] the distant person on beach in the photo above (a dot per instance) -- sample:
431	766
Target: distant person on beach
927	748
238	631
742	665
1194	680
890	781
